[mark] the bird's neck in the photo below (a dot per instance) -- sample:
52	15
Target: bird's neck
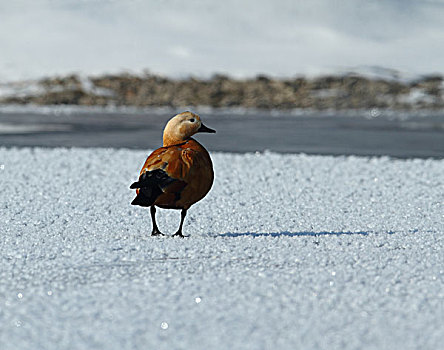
171	141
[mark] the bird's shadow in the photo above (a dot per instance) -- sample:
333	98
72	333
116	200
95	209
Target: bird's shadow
291	234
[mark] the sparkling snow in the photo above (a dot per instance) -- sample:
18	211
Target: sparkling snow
286	252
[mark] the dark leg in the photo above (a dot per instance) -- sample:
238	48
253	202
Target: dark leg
183	213
155	231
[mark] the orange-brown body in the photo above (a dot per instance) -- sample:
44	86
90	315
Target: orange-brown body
188	162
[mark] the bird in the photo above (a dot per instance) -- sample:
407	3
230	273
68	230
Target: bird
178	174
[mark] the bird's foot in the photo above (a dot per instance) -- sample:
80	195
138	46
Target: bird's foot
179	234
157	233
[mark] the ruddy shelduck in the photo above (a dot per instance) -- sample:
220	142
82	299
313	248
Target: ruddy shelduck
178	174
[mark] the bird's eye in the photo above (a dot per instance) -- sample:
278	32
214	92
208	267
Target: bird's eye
192	120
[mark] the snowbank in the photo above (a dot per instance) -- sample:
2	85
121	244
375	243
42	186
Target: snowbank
286	252
179	38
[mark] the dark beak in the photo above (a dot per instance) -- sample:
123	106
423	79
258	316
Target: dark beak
203	128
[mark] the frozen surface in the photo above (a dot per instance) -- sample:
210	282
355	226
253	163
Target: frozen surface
203	37
286	252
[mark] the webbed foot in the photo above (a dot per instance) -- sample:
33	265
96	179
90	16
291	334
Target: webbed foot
179	234
157	233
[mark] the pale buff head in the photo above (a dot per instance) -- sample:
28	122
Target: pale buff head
181	127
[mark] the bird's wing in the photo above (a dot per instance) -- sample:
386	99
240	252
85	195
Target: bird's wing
163	175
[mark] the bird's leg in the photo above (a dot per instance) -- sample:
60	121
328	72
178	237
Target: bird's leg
155	231
179	233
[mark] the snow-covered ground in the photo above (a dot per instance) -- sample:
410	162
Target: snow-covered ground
203	37
286	252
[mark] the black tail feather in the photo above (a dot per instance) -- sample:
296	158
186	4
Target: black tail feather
146	197
156	177
150	185
135	185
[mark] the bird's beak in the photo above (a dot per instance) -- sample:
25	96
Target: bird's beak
203	128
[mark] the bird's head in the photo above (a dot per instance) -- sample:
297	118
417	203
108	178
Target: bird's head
181	127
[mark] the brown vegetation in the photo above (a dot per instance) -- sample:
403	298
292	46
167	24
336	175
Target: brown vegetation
328	92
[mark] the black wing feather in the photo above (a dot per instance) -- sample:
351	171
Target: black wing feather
150	185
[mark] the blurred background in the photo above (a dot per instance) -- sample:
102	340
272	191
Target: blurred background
319	76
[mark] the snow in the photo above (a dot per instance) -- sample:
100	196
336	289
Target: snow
417	96
286	252
197	37
33	88
20	89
